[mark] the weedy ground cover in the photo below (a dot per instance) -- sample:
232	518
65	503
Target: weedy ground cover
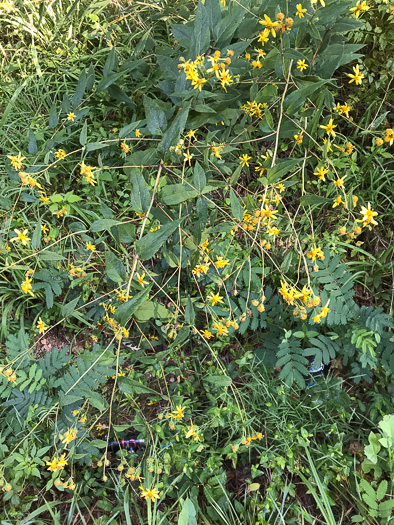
196	253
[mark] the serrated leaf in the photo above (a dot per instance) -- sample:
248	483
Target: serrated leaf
139	196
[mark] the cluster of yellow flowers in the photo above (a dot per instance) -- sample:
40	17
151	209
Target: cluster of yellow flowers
120	331
8	373
67	485
197	72
323	313
306	299
121	296
134	474
254	109
7	6
57	463
69	435
178	414
87	173
28	180
26	285
76	271
247	441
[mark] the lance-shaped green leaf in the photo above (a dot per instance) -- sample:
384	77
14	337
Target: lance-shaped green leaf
126	310
171	136
153	241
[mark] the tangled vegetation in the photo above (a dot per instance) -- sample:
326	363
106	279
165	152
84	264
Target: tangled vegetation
196	255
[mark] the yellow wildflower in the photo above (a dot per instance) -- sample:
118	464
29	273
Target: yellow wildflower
269	24
22	237
368	215
330	128
360	6
215	299
320	172
300	12
41	326
357	77
140	279
220	263
16	160
69	436
57	464
71	116
337	202
60	154
151	494
245	160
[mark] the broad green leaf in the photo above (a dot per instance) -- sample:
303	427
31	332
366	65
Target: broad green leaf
173	194
155	116
114	268
281	169
93	146
387	425
139	196
124	312
199	178
219	381
50	256
188	514
80	90
102	224
84	133
171	258
309	200
236	207
200	39
53	120
372	450
68	308
171	136
130	386
297	99
151	309
190	314
36	237
32	146
153	241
